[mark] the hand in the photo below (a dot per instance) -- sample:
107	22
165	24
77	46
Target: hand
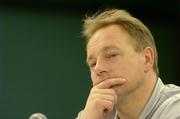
102	99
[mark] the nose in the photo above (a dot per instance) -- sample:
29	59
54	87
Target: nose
101	67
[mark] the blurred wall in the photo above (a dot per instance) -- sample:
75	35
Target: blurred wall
42	64
43	60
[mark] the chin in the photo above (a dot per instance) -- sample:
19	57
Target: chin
119	89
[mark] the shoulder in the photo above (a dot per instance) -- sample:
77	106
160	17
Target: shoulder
170	108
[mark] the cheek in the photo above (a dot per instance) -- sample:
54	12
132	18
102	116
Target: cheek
126	69
95	79
133	70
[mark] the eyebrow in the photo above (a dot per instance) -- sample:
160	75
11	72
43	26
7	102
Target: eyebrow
106	48
109	48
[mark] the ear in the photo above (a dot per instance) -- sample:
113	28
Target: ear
149	58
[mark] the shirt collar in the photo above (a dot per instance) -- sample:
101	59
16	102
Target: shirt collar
153	99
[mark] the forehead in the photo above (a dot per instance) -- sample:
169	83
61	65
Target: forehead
109	37
107	32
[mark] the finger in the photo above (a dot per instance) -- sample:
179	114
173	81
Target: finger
104	92
108	107
103	97
110	83
104	106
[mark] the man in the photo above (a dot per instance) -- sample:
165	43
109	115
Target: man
122	58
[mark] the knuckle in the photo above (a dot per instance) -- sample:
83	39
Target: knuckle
110	105
94	90
112	92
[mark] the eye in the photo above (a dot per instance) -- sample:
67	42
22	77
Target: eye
111	55
92	64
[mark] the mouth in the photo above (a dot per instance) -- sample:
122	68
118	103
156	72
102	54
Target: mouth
114	86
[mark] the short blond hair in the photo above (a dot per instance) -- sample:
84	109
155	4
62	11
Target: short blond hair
136	29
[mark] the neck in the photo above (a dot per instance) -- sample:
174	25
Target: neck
130	106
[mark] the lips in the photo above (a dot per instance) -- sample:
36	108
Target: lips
108	78
113	86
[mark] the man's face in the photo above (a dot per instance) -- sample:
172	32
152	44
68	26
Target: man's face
111	54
